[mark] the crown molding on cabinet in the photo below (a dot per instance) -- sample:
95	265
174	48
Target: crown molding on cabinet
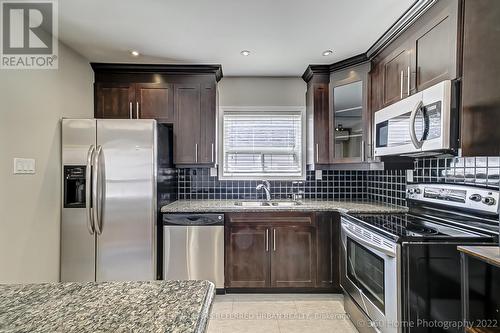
159	68
418	8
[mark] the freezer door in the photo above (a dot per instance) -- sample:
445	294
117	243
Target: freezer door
77	242
126	241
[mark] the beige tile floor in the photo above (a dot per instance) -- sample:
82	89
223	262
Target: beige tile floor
279	313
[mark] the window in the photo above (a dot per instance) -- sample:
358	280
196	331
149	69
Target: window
263	143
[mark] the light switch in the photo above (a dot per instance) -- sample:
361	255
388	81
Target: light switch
409	176
24	166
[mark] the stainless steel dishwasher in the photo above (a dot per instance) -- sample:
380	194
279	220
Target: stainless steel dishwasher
193	247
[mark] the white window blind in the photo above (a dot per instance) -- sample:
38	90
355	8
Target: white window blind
262	144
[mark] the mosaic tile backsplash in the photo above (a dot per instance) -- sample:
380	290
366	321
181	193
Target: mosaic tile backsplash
483	171
376	186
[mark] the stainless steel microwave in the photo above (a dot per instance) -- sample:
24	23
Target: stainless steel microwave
423	124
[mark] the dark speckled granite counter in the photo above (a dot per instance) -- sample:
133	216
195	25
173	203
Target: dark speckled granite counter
222	206
155	306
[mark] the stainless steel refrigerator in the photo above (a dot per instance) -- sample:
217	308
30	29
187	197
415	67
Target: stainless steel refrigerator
108	226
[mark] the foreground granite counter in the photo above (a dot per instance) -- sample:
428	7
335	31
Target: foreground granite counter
222	206
154	306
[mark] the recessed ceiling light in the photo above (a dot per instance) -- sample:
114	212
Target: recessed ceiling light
327	53
134	53
245	53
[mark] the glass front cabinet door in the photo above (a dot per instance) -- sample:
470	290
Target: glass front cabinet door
350	124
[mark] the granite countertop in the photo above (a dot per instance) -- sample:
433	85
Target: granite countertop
222	206
488	254
151	306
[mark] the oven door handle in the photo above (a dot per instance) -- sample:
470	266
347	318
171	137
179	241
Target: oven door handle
366	243
413	133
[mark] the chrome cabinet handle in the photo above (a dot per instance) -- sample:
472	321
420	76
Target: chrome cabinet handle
88	176
401	83
137	110
413	133
274	240
409	74
130	110
267	240
363	157
95	186
196	153
213	153
317	153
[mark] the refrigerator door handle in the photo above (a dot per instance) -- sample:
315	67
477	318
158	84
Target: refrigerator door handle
102	188
88	179
95	191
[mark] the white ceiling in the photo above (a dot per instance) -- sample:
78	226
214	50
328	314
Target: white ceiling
284	36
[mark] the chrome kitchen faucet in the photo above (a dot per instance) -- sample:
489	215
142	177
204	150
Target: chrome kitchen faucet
266	186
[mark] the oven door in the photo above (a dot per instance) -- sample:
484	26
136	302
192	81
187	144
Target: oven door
370	274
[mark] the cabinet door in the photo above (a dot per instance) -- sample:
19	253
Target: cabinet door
436	54
397	83
293	259
114	100
187	123
247	257
155	101
321	123
207	152
328	250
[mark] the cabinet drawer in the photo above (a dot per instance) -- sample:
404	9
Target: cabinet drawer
271	218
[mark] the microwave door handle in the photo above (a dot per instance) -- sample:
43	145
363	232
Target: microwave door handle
413	132
88	179
367	243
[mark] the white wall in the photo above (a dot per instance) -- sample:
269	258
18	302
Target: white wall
262	91
32	104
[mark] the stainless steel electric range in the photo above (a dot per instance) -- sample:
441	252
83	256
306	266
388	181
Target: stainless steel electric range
401	273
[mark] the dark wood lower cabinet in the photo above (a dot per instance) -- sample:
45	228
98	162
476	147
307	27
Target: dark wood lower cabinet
328	250
247	257
293	258
282	250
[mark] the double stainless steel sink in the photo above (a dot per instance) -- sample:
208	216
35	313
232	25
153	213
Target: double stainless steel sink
267	203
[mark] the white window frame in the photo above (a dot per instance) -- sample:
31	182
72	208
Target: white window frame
263	109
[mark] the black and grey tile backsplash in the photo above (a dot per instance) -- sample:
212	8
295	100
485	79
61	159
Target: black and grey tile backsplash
483	171
377	186
387	186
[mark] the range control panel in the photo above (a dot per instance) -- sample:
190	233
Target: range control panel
469	197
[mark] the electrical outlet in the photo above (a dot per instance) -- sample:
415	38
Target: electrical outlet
23	166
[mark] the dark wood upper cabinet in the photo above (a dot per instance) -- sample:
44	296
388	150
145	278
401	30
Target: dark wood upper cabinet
114	100
350	120
318	113
187	125
247	257
293	257
155	101
423	55
184	95
395	70
208	118
435	43
481	78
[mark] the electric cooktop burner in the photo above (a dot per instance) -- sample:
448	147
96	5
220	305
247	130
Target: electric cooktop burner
410	226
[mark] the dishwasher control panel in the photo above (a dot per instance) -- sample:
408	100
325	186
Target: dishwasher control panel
193	219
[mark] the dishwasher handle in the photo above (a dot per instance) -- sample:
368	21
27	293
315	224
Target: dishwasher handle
193	219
